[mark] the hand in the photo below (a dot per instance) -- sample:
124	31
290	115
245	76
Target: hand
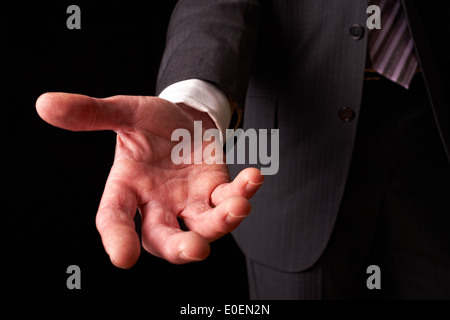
144	177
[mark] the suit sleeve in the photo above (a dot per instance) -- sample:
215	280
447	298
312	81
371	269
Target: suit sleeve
211	41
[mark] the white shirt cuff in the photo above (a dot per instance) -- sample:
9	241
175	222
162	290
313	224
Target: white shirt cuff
202	96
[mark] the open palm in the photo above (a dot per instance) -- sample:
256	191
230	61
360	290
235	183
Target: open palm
144	177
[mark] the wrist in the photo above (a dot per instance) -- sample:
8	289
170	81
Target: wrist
196	115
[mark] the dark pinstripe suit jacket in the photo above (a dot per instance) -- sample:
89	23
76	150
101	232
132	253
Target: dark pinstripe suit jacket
301	66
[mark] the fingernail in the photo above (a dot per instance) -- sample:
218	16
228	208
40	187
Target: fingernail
185	256
236	216
250	186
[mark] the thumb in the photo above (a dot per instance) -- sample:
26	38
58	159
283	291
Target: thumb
82	113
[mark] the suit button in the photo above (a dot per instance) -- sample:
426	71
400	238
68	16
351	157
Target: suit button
346	114
356	31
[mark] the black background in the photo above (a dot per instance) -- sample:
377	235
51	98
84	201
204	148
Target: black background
52	180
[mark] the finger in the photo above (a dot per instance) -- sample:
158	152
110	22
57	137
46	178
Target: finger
245	185
115	223
82	113
176	247
216	222
162	237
